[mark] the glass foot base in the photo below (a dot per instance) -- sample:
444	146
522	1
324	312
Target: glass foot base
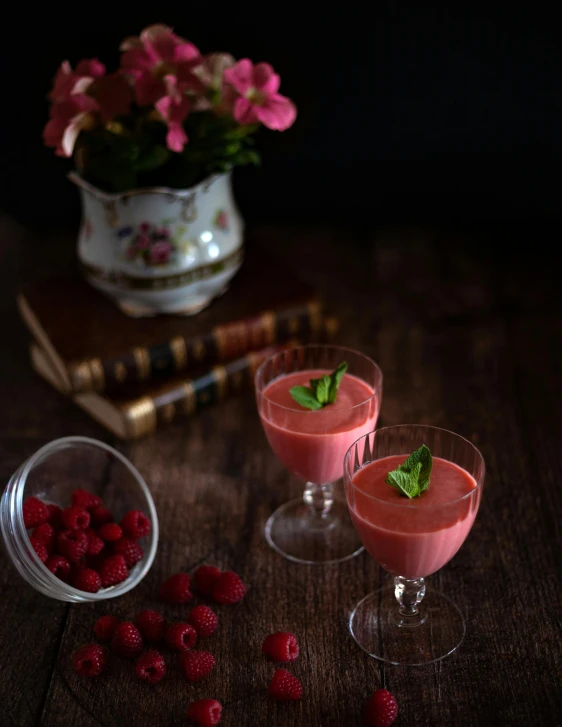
292	533
375	626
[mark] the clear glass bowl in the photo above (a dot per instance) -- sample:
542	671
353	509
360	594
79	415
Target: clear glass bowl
51	474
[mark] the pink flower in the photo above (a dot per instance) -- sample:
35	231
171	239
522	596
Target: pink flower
256	99
113	95
156	54
142	242
68	119
211	72
160	253
68	82
173	108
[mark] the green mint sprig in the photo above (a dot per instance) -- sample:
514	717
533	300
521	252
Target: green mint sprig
322	391
412	477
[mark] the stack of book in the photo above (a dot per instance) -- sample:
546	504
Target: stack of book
134	375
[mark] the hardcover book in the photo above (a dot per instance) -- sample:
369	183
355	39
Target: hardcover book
93	347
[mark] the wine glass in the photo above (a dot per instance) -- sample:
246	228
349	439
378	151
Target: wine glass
411	539
312	443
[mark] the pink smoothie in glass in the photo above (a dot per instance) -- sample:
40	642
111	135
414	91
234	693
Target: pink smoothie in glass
413	538
312	444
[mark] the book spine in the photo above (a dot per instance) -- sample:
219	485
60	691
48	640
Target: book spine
146	414
222	343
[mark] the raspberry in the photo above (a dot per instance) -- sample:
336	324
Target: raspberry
151	667
84	499
130	550
381	709
205	712
151	625
41	550
135	524
59	567
228	588
281	646
34	512
100	515
176	589
196	665
95	543
181	637
75	518
44	534
113	570
55	516
105	626
72	544
204	620
284	686
205	578
87	580
127	641
110	532
90	660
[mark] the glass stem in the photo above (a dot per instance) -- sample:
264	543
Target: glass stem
319	500
409	594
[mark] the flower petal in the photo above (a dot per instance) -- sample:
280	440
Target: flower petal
176	137
265	78
245	112
240	75
90	67
277	113
113	95
148	89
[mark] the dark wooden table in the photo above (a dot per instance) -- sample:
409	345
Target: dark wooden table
467	330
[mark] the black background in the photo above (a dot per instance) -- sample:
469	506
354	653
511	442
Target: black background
405	114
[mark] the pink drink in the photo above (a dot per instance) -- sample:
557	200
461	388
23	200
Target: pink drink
413	538
312	444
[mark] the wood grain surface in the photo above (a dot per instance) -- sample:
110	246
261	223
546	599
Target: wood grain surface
465	341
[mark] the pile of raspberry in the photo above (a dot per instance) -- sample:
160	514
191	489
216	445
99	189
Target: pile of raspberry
82	545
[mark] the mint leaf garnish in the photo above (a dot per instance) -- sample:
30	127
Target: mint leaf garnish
412	477
322	391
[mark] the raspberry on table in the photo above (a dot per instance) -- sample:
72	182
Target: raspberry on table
55	516
205	578
151	667
205	712
181	637
84	499
41	550
135	524
176	589
44	534
90	660
281	646
72	544
95	543
110	532
151	625
127	641
381	709
284	686
113	570
196	665
59	567
229	588
204	620
87	580
75	518
34	512
105	626
130	550
100	515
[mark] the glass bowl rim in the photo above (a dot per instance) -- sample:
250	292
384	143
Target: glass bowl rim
130	583
344	349
407	505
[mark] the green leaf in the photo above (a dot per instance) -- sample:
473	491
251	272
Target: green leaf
412	477
151	158
335	381
305	397
321	389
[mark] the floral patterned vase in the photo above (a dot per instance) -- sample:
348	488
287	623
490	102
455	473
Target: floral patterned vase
161	250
